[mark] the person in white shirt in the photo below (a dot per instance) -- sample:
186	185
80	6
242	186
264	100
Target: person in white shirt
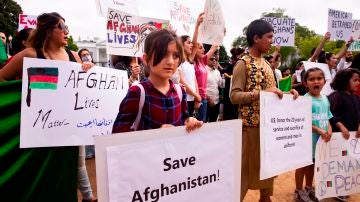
345	62
214	82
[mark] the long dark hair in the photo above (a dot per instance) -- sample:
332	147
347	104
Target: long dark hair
342	79
46	22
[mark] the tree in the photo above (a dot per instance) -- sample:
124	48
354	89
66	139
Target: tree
223	57
71	45
9	16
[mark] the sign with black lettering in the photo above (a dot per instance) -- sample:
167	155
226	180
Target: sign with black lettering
128	6
170	164
337	166
62	105
285	132
126	33
339	24
284	30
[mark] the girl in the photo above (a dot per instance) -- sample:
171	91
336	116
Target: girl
162	106
314	80
344	104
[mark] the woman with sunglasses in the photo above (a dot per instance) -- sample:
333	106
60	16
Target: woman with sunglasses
48	41
43	173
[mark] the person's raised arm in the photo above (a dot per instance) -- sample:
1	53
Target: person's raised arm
320	46
343	50
199	20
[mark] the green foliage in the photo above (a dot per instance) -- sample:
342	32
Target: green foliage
71	45
223	57
9	16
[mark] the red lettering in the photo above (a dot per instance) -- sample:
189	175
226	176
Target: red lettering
22	19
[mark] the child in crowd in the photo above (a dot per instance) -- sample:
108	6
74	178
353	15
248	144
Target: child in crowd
251	75
314	80
345	105
162	105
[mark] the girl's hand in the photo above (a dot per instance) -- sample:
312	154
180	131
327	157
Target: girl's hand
294	93
324	135
192	123
200	18
275	90
87	65
135	70
166	126
345	133
357	135
327	36
197	104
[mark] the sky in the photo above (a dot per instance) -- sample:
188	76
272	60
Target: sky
82	18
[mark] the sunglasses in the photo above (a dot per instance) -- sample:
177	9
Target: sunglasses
63	27
213	59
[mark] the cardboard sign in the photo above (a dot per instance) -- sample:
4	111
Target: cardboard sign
284	30
356	30
27	21
183	15
285	132
62	105
337	166
128	6
339	24
126	33
355	46
170	164
211	31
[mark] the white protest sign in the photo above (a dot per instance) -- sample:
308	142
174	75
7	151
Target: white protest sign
62	105
284	30
128	6
211	31
170	164
339	24
337	166
285	132
355	46
183	15
326	90
27	21
356	30
126	33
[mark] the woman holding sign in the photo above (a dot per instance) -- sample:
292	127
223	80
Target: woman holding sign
42	174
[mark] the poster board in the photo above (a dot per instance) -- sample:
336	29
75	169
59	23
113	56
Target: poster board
337	165
285	132
126	33
339	24
27	21
136	161
62	105
284	30
128	6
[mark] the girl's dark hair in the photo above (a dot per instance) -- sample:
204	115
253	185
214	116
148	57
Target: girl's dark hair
268	58
356	62
324	57
342	78
156	44
184	38
23	35
82	50
259	28
46	22
313	69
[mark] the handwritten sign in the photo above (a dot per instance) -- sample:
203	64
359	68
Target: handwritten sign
62	105
182	15
128	6
337	166
211	31
339	24
168	164
355	46
27	21
284	30
285	132
126	33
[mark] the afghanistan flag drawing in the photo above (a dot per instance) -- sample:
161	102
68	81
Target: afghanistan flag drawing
41	78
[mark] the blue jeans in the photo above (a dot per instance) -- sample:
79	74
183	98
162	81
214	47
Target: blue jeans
202	110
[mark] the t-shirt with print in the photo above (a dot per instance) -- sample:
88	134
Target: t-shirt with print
320	116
